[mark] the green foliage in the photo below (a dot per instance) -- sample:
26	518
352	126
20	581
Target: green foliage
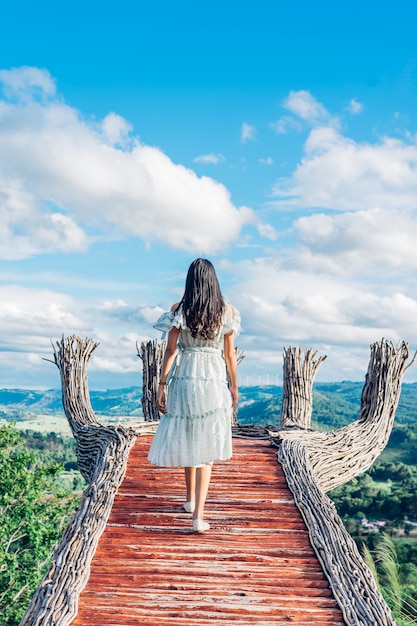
406	411
394	499
260	405
407	551
33	512
392	580
335	404
52	447
402	446
111	402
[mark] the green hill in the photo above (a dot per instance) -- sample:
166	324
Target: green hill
334	404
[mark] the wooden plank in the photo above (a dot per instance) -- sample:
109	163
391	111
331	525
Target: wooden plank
254	566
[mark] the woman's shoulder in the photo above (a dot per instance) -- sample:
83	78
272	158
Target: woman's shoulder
231	320
229	310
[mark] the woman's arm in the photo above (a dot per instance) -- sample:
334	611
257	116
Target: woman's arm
230	358
169	356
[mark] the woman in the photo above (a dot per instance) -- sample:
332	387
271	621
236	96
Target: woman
193	394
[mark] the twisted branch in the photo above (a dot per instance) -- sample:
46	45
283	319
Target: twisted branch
350	578
152	355
297	396
102	454
338	456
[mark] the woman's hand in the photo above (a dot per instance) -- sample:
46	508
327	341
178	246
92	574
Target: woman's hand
235	395
161	399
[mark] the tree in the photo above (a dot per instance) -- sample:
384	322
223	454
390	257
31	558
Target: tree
33	512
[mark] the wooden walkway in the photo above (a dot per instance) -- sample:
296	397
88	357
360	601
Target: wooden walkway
255	566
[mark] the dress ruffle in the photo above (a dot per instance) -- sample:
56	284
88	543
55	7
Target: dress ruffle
170	319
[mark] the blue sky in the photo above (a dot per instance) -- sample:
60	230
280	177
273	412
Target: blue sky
277	139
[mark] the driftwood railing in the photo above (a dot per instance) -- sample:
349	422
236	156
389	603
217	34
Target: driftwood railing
338	456
102	453
350	578
313	462
316	462
152	354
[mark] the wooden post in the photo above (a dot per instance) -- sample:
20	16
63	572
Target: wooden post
297	398
240	355
152	354
72	356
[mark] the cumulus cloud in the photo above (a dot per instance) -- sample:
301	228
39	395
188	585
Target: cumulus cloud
355	107
267	231
344	276
210	158
116	130
31	317
130	313
339	173
373	187
27	230
282	306
27	82
98	178
247	132
358	242
305	110
286	124
304	105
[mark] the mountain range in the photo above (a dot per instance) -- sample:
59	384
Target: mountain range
334	404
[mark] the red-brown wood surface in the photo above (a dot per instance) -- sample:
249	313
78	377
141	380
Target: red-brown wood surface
254	566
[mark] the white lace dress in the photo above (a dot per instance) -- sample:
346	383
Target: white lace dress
197	426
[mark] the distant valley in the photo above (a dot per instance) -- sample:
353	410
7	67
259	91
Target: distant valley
334	404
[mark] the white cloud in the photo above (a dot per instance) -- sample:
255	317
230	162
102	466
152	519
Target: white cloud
267	231
267	161
130	313
247	132
337	282
210	158
285	124
355	107
26	230
343	277
305	109
27	82
121	365
358	242
339	173
62	160
281	307
30	318
304	105
116	130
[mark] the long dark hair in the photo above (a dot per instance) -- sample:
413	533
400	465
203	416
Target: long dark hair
202	303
